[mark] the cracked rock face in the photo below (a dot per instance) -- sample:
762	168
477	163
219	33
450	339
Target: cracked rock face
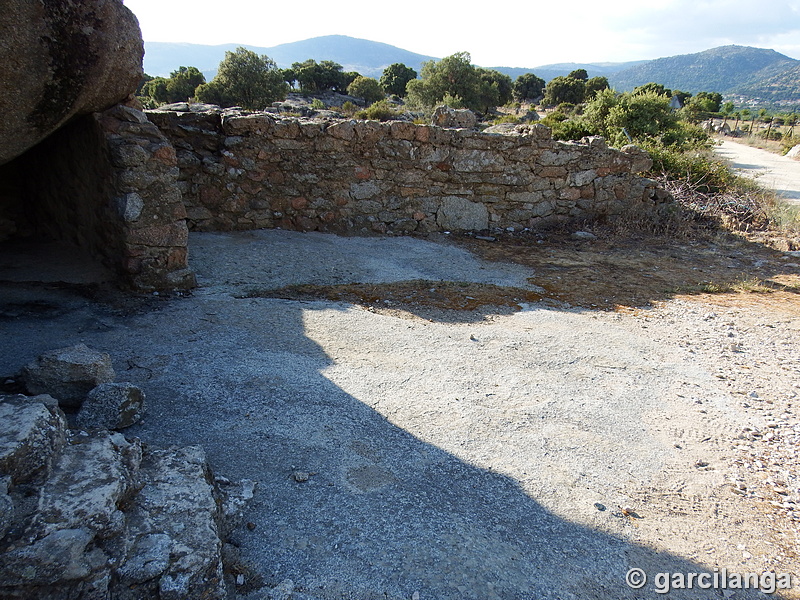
96	515
70	58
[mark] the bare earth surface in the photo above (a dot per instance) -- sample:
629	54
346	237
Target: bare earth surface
450	418
771	170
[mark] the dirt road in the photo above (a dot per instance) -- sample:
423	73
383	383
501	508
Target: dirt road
771	170
405	449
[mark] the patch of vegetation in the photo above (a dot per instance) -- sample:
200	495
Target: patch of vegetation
379	111
447	295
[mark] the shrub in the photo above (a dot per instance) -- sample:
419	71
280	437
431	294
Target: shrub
379	111
349	109
367	88
505	119
318	104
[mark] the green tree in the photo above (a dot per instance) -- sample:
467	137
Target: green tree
709	101
156	90
244	78
315	77
452	77
579	74
596	111
652	87
289	76
594	85
395	77
564	89
682	96
182	84
145	78
495	89
367	88
528	87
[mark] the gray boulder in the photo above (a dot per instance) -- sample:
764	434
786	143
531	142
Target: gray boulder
463	118
32	434
68	374
69	58
111	406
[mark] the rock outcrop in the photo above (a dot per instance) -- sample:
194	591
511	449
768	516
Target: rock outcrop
69	58
97	515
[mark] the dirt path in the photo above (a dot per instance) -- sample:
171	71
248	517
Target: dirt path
413	439
771	170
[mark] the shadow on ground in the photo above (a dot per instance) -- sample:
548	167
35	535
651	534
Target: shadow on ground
383	513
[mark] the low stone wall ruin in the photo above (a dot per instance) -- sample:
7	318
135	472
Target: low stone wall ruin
106	182
248	171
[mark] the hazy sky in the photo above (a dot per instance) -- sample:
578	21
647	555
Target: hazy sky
511	34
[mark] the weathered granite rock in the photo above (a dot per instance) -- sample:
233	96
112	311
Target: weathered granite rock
93	477
794	152
111	406
462	118
6	507
32	434
68	374
69	58
109	519
173	526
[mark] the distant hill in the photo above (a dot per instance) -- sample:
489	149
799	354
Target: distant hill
354	54
732	70
727	69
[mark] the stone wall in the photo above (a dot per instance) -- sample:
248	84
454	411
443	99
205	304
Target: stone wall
108	183
245	171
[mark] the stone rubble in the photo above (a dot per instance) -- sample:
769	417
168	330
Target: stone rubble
98	515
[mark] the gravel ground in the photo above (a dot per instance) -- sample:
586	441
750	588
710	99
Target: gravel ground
418	452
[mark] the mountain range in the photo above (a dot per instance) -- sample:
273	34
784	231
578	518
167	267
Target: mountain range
731	70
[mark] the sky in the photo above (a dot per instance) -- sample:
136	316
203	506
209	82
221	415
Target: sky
510	34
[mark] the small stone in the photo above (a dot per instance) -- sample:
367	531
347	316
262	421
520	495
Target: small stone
111	406
415	596
251	526
240	579
301	476
701	464
600	507
746	555
583	235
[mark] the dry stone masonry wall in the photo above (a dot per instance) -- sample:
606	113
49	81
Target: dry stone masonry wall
108	183
245	171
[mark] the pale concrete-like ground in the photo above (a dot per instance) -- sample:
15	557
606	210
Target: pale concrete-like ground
537	453
777	172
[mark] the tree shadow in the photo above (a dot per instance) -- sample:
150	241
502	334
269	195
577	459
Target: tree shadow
386	510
